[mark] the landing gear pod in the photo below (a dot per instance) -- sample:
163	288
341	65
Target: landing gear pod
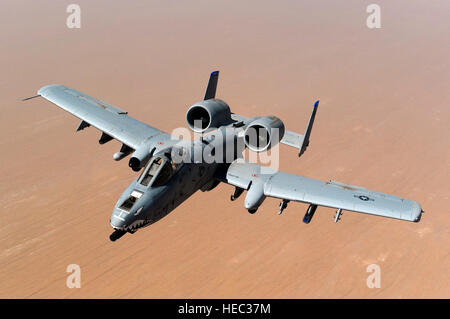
255	197
124	152
140	158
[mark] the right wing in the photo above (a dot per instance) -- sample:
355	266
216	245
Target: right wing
113	122
329	194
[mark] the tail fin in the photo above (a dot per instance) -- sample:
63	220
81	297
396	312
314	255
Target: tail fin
300	141
305	142
212	86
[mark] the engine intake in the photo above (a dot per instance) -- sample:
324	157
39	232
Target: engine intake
208	114
263	133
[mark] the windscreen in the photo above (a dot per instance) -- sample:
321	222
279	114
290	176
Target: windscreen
150	171
158	172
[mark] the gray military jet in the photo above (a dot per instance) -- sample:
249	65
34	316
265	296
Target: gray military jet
172	171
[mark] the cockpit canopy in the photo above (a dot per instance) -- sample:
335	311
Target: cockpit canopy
158	172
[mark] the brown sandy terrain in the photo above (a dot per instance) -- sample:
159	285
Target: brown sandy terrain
383	123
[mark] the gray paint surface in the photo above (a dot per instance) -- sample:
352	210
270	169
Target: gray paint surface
141	205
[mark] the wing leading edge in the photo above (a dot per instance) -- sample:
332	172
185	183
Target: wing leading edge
329	194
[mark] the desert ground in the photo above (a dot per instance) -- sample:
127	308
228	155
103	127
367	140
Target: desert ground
383	123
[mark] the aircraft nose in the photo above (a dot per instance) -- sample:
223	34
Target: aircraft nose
117	221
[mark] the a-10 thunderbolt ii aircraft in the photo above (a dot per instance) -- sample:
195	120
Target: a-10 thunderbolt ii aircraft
172	172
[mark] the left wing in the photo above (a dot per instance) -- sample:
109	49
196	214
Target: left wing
289	187
112	121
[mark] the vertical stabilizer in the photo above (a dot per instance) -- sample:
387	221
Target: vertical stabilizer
305	142
212	85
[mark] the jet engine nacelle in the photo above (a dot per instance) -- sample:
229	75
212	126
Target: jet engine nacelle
207	114
263	133
139	158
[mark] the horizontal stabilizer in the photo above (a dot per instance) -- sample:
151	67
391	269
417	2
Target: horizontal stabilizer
292	139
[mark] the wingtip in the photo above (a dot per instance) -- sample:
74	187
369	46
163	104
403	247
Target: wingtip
215	72
316	104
